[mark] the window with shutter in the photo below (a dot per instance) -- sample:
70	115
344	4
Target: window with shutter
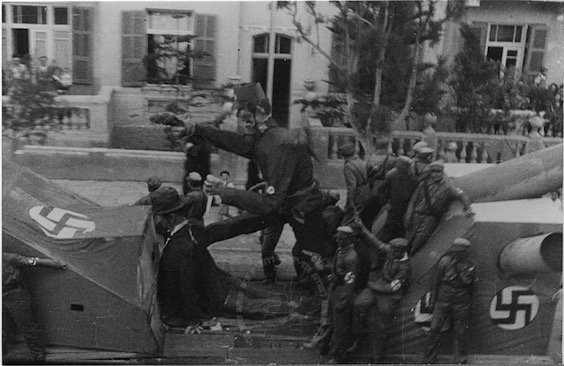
82	45
536	47
133	48
169	46
204	67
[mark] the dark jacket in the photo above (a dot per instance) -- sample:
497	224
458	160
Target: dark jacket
356	172
284	162
196	204
454	279
386	268
189	280
12	276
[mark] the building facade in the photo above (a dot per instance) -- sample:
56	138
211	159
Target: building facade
131	45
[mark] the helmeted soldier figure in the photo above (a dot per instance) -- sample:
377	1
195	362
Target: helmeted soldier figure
451	298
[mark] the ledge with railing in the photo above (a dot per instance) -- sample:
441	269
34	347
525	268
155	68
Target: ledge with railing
80	120
470	148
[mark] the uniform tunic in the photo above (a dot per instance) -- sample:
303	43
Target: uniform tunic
398	189
16	303
291	194
426	207
451	297
381	294
345	276
358	190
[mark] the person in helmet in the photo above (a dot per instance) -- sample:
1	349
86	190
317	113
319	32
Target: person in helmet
451	298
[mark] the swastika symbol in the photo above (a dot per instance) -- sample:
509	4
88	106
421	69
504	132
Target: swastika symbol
59	223
424	314
514	307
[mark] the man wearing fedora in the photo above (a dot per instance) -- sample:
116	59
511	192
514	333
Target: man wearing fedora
190	287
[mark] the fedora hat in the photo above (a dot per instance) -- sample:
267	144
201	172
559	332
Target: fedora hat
166	200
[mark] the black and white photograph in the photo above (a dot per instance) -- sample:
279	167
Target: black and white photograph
282	182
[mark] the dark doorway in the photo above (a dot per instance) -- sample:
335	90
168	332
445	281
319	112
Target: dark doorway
21	41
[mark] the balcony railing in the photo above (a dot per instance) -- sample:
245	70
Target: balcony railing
81	120
471	148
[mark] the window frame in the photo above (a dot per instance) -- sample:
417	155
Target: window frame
50	28
176	33
508	46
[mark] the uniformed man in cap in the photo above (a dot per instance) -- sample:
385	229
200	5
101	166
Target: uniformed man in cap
356	172
197	199
423	157
397	189
153	183
387	283
427	205
451	298
344	288
291	193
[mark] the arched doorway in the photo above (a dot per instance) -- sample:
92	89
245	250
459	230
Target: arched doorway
282	58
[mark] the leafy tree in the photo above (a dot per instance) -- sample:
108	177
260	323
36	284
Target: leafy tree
379	63
32	111
474	78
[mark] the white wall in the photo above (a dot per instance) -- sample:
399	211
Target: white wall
307	64
517	12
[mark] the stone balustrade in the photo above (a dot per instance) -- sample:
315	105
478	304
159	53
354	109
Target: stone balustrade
470	148
81	120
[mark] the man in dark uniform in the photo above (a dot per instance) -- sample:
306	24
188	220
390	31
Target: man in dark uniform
16	301
397	188
291	193
427	205
198	155
196	198
387	284
356	173
420	163
153	183
346	268
451	297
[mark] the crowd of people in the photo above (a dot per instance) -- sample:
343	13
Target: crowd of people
359	272
47	76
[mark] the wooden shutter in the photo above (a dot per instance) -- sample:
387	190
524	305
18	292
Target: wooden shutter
82	45
204	68
133	48
481	30
536	48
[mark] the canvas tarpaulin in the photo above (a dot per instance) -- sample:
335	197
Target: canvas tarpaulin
107	297
512	314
